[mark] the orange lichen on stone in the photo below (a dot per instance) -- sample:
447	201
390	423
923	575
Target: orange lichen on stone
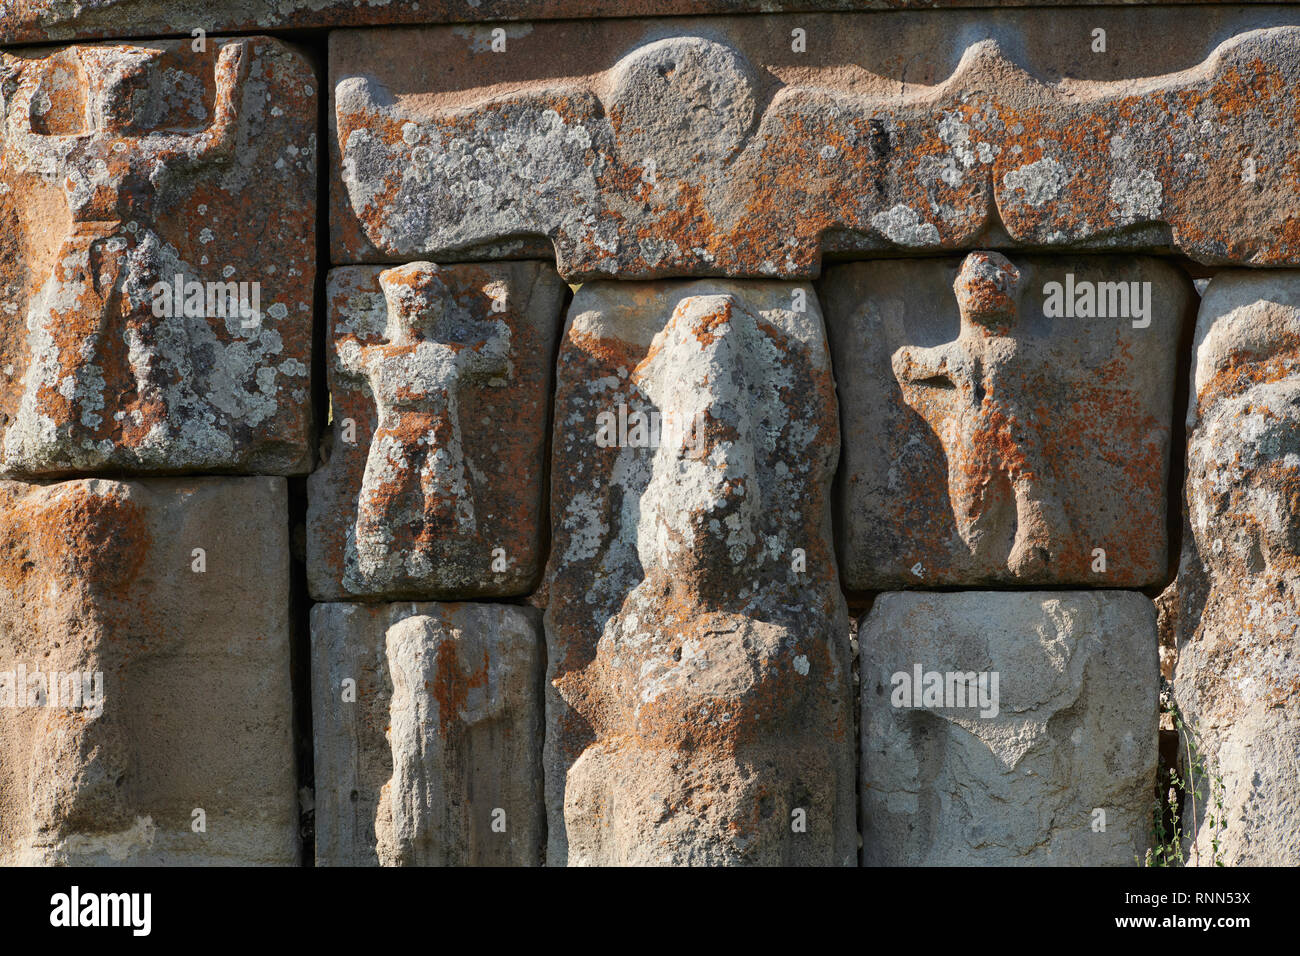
678	156
697	667
439	379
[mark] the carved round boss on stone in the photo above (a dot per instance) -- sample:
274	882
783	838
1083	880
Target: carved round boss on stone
682	102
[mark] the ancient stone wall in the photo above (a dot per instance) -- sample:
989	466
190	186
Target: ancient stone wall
711	432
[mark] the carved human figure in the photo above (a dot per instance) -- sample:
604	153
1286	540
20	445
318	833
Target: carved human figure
700	683
967	392
700	509
96	301
415	492
1237	679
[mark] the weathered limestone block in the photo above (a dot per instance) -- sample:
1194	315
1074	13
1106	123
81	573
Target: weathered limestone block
1234	607
698	664
996	431
661	148
428	734
30	21
440	383
157	260
1044	713
145	704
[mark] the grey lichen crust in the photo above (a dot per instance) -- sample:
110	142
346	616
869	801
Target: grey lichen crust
1056	720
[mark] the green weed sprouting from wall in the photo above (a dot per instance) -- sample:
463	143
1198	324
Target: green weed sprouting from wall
1176	816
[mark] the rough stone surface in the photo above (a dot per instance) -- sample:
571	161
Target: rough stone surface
657	148
1007	423
1075	730
1234	607
698	684
98	577
441	378
986	442
121	168
436	759
23	21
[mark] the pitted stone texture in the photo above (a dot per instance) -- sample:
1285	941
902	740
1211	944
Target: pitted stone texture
30	21
662	148
99	577
1234	608
1075	729
441	376
121	168
988	443
435	759
698	696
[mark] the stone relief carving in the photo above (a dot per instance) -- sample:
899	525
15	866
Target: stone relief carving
439	380
992	437
696	634
434	762
1235	609
1004	508
139	349
134	690
415	492
677	156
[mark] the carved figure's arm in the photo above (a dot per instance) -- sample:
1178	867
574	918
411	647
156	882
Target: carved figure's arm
217	142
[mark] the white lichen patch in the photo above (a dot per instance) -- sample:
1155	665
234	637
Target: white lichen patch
1137	198
902	224
1039	182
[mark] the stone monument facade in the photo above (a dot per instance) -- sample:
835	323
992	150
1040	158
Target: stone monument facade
713	432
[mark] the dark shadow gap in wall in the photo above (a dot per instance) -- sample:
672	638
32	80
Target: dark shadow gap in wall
313	44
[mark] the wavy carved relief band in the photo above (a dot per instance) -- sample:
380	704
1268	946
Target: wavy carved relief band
686	157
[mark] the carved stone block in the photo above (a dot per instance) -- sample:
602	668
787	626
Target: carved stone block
663	148
428	727
157	260
698	664
31	21
1005	422
1235	606
1008	729
440	380
145	704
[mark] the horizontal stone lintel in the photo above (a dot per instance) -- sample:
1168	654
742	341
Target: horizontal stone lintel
656	148
35	21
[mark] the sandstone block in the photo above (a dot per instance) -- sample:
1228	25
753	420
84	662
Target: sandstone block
27	21
1000	428
698	664
440	381
662	148
427	721
157	260
1043	713
1234	607
145	704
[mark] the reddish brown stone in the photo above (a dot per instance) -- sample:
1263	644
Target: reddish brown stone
988	440
24	21
439	381
122	168
163	607
698	687
649	149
